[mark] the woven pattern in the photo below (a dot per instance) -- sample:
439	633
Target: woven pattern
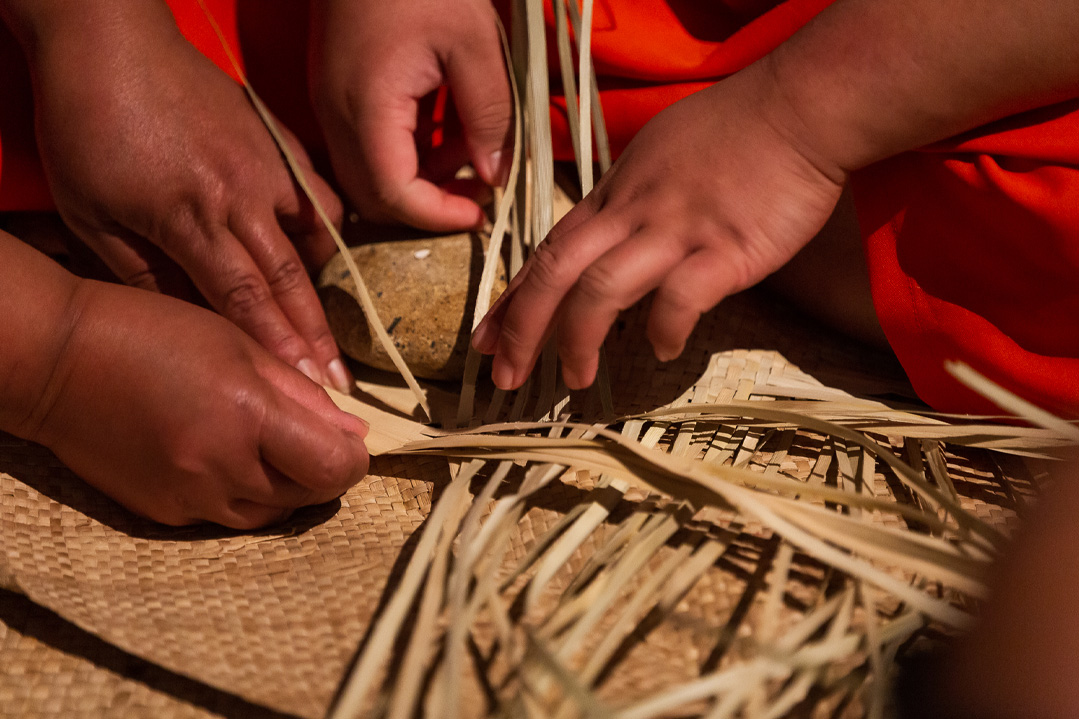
201	621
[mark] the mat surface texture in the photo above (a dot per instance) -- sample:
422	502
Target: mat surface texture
103	614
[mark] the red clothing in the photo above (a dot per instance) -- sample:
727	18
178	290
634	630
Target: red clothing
972	243
973	251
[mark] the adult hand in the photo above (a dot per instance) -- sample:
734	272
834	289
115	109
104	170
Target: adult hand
181	417
373	66
714	194
157	161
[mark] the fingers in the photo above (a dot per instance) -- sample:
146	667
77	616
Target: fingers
375	103
291	291
138	263
614	282
692	288
311	451
252	275
581	279
397	191
304	339
476	73
538	291
316	400
306	452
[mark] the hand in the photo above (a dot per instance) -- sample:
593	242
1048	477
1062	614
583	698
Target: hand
712	195
158	162
181	417
374	65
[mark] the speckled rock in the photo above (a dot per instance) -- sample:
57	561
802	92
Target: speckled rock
424	291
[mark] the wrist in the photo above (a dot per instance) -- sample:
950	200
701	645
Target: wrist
759	89
867	80
817	112
41	307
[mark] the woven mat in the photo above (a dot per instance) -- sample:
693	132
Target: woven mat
104	614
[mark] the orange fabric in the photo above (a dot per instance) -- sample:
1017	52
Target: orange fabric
973	251
972	244
649	54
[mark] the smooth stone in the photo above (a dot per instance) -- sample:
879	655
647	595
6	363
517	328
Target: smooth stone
424	292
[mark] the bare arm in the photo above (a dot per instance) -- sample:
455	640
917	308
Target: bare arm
867	79
34	21
35	321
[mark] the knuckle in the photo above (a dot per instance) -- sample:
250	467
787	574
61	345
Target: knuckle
286	277
512	341
596	201
323	343
245	296
679	298
285	345
331	203
491	119
387	197
214	189
739	271
177	224
190	219
549	271
145	279
598	284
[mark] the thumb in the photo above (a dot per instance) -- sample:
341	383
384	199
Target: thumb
476	74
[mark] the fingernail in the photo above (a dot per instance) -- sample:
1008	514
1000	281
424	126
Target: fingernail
666	354
499	172
483	339
339	376
502	374
308	368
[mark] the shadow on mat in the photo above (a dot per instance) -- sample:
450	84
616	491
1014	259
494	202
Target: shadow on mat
752	320
47	627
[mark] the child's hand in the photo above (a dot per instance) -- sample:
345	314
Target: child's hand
181	417
713	195
157	160
373	64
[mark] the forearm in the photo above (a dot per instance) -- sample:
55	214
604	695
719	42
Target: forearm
867	79
37	312
41	24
